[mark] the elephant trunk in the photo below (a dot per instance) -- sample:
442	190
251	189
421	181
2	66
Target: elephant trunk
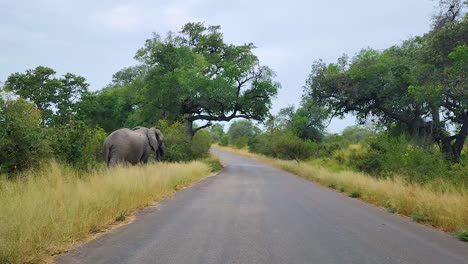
160	152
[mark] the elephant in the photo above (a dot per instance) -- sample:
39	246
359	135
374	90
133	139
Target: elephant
133	145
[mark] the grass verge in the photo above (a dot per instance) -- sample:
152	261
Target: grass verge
45	211
444	207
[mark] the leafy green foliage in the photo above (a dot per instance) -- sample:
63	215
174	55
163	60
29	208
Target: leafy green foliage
178	147
181	148
224	141
283	145
55	97
213	162
110	108
194	75
418	87
216	132
355	194
388	155
240	142
201	144
77	144
21	143
462	234
356	134
241	129
307	122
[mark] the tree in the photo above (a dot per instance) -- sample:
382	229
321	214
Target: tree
449	11
110	108
241	132
127	75
56	98
418	87
21	143
306	122
356	133
194	75
216	132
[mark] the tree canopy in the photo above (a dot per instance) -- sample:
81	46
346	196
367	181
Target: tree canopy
419	87
194	75
56	98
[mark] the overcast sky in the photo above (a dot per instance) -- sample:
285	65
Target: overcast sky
97	38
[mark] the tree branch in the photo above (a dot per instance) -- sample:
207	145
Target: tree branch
202	127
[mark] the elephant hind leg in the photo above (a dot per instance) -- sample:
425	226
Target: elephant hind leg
114	158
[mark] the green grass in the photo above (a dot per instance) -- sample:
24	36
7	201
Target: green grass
462	234
419	217
120	217
44	211
213	162
355	194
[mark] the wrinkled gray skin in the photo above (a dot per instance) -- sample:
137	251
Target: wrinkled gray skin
133	145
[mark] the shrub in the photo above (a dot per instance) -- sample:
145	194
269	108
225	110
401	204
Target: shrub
330	144
356	134
284	145
77	144
178	147
21	137
462	234
241	128
389	155
201	143
224	141
240	142
216	132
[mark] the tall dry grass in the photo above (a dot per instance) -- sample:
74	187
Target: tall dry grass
47	210
440	205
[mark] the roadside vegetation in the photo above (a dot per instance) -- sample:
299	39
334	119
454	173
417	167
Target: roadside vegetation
440	204
45	211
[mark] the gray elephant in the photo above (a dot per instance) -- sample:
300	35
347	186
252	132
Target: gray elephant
133	145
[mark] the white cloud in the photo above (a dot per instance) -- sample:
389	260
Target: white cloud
176	16
125	17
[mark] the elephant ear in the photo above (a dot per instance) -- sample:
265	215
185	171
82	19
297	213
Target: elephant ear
159	135
152	137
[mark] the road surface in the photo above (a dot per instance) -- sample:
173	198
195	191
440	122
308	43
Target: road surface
253	213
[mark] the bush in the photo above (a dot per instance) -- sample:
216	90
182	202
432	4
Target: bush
388	155
224	141
78	145
330	144
21	137
240	142
356	134
178	147
284	145
216	132
201	144
240	133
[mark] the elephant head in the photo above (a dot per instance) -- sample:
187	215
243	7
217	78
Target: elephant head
155	139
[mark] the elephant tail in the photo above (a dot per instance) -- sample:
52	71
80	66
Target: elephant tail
108	156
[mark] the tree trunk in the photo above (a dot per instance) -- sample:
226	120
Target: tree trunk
460	139
454	151
189	129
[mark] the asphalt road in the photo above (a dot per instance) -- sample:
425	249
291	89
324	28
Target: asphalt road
253	213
